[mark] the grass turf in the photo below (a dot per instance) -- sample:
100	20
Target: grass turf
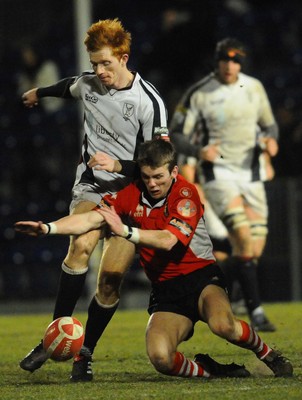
122	370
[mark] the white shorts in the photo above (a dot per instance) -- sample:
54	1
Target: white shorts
221	193
85	192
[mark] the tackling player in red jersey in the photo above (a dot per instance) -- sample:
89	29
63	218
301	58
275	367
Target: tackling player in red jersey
161	214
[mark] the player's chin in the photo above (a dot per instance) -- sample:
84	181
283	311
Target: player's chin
156	195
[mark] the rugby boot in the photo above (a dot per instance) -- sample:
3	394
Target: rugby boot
34	359
217	370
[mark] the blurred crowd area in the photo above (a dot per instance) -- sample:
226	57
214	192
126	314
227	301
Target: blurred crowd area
173	46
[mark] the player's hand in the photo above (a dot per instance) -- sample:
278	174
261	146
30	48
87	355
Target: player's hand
210	152
30	98
113	220
270	145
102	161
31	228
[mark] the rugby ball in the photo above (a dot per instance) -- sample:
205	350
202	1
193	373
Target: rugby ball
63	338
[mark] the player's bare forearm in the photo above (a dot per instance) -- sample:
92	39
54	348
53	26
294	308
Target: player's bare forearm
76	224
157	239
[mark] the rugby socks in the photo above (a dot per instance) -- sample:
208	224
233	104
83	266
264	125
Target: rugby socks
228	267
99	317
247	276
70	289
250	340
187	368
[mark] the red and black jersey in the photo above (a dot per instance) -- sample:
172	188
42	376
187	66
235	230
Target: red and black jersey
181	212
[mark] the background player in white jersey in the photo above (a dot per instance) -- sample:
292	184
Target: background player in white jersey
232	113
121	110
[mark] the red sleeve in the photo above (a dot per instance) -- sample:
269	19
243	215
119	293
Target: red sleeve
185	211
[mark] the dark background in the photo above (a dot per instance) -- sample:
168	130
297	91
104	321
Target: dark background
173	45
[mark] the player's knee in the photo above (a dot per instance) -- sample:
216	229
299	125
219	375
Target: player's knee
223	326
81	247
162	361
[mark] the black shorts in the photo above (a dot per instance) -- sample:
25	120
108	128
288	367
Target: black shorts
180	295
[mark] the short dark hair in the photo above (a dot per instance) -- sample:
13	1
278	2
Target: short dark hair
230	49
156	153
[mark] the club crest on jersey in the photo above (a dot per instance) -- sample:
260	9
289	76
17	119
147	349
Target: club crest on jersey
186	208
185	192
139	211
128	111
182	226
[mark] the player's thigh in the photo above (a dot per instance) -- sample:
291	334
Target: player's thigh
118	255
81	246
222	194
82	206
165	331
216	310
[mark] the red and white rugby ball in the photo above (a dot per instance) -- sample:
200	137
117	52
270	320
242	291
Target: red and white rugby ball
63	338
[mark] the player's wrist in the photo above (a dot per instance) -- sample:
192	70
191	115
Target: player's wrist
50	228
130	233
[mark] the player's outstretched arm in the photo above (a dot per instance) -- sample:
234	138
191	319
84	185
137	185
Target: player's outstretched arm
75	224
157	239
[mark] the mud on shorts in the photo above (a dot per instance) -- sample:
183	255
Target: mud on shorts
180	295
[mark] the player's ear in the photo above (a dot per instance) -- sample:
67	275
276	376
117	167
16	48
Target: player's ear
124	59
174	172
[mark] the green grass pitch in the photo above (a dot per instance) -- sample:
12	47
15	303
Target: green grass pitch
122	370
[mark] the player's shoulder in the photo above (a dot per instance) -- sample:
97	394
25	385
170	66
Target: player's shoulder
145	87
184	188
84	78
206	84
249	80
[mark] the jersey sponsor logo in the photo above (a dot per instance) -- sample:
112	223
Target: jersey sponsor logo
91	98
186	208
100	130
139	211
128	111
186	192
182	226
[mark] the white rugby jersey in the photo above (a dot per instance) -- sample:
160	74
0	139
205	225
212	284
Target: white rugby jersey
116	122
232	115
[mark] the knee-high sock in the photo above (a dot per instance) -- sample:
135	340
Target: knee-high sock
229	269
70	289
99	317
250	340
185	367
247	276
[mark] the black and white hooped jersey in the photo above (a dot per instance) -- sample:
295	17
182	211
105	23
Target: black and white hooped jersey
232	116
116	122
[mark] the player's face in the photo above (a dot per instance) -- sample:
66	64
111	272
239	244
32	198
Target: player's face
109	69
228	71
158	181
